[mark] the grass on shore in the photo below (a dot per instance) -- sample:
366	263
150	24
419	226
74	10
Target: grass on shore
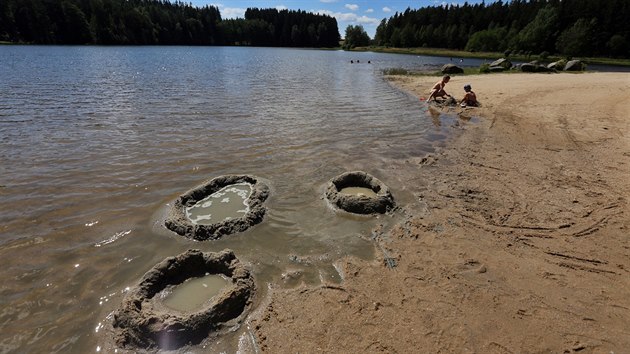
405	72
439	52
467	71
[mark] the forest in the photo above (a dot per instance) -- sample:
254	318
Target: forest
567	27
158	22
539	27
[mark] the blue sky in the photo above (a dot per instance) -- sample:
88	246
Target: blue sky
367	13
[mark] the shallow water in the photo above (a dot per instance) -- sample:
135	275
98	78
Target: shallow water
358	191
97	142
229	202
194	293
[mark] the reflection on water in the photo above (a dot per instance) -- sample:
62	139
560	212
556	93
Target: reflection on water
229	202
109	136
358	191
194	293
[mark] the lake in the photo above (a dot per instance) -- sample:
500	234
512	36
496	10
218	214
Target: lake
97	142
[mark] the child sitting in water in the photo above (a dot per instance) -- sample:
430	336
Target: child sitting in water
470	99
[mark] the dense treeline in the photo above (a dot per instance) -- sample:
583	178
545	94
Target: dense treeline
158	22
569	27
285	28
107	22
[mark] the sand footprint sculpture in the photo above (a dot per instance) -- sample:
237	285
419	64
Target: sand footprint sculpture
151	316
221	206
360	193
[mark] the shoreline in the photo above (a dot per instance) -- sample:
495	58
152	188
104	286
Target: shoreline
518	240
442	52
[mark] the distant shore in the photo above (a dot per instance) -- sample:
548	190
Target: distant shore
440	52
518	242
437	52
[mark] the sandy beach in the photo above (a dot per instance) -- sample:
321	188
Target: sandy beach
519	241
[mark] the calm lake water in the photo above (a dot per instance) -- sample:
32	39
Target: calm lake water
95	142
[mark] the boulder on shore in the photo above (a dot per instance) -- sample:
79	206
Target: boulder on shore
544	69
504	63
528	68
574	65
452	69
534	68
557	65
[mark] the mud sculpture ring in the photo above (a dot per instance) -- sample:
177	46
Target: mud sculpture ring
179	222
381	202
144	322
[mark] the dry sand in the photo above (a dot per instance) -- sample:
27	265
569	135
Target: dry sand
524	243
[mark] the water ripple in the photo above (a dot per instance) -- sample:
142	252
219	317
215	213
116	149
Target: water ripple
112	134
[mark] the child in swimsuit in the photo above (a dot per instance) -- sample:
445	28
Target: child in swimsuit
470	99
438	89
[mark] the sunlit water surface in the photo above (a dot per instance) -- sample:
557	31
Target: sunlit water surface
96	142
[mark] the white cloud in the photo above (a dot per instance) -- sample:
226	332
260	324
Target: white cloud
351	7
346	17
281	7
230	12
387	9
349	17
327	1
446	4
367	20
369	11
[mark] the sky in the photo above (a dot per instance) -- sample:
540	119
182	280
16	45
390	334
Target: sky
367	13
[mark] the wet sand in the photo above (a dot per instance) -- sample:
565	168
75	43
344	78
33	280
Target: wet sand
518	242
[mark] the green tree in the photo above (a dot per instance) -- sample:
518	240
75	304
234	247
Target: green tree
32	22
490	40
295	35
356	37
193	31
395	39
75	28
139	28
7	22
577	39
380	37
258	32
538	35
407	36
618	46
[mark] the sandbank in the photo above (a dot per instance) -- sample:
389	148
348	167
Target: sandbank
520	241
